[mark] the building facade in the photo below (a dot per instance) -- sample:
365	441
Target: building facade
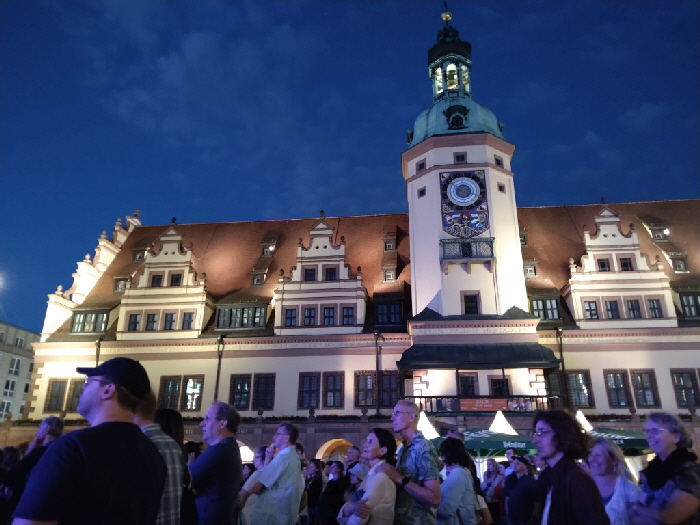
16	366
467	304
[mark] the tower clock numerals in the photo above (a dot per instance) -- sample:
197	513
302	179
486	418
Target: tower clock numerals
463	191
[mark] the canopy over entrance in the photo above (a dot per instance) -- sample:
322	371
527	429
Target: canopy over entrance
478	356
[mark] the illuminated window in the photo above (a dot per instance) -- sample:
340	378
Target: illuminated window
169	323
655	309
591	309
187	320
56	395
451	74
333	383
134	320
89	322
646	393
192	393
151	322
290	317
617	387
364	389
241	316
612	310
545	308
239	395
634	310
580	391
685	386
309	390
169	392
309	316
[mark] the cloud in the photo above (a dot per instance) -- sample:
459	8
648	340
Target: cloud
645	118
535	96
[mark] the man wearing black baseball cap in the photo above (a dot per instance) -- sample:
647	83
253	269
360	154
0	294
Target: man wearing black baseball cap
109	473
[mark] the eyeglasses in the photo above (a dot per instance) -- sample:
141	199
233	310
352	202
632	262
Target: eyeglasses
396	413
542	432
88	379
653	431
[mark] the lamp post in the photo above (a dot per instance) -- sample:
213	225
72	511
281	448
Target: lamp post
219	355
98	344
377	354
564	377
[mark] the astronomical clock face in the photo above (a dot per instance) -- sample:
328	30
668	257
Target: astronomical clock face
464	205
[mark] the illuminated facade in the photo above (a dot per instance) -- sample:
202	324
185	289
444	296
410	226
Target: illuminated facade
467	303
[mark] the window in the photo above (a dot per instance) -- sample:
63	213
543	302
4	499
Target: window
192	393
655	310
634	311
2	337
134	321
690	303
139	255
264	392
348	315
176	279
612	310
389	394
239	395
580	391
460	158
685	387
530	270
679	265
545	308
187	320
309	390
329	316
267	251
421	192
499	386
590	309
76	388
626	264
120	285
333	385
309	274
471	304
89	322
420	166
389	275
56	395
616	385
501	187
498	161
603	265
169	323
309	316
258	279
19	342
9	390
15	364
241	316
467	384
5	407
332	273
364	389
151	322
156	280
290	317
523	239
456	122
389	313
389	246
169	392
646	393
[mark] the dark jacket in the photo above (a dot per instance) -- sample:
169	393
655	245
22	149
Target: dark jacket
575	499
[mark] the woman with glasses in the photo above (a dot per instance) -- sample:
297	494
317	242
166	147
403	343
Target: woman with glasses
377	504
607	467
246	499
671	481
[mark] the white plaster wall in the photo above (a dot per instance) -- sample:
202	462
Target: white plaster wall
476	278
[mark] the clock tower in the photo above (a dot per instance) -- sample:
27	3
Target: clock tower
465	240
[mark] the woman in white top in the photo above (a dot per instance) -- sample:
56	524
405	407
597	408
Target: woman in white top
609	471
246	500
377	504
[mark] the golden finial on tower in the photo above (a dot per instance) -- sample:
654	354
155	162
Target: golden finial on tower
446	16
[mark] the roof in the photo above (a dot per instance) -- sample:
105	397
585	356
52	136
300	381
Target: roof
478	356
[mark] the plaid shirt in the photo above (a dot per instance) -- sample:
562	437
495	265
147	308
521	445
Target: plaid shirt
169	513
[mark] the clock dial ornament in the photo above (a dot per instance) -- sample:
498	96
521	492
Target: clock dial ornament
464	204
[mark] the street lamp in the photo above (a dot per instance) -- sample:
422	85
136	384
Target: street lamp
377	354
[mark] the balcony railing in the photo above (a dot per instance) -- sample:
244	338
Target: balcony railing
467	249
455	405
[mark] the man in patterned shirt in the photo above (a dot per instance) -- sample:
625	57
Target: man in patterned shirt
171	450
417	471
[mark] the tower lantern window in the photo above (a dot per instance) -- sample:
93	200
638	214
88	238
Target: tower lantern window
451	76
438	80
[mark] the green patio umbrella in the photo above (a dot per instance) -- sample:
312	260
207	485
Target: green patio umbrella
632	443
483	443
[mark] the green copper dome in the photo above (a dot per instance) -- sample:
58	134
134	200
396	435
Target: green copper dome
453	110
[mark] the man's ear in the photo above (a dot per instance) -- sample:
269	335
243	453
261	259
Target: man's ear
108	391
223	423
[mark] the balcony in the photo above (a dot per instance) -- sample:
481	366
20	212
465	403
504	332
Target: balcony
464	250
446	406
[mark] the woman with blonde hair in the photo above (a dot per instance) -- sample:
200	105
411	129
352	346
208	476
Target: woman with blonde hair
611	475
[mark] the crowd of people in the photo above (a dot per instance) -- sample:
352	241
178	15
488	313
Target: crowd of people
130	466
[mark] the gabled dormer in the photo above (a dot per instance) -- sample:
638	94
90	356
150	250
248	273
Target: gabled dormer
164	298
320	294
615	284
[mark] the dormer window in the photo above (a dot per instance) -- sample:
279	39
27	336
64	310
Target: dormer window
389	275
89	322
139	255
523	239
240	316
603	265
626	264
331	273
258	279
176	279
267	251
545	308
309	274
156	280
679	265
530	270
456	122
120	285
389	246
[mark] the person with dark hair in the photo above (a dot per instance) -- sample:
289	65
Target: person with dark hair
332	497
171	451
246	500
458	502
671	481
281	484
171	423
216	474
193	449
571	495
520	493
86	476
314	488
377	504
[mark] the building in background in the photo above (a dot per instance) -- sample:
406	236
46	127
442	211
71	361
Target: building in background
467	304
16	366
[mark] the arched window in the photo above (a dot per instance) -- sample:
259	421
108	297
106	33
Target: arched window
465	78
451	76
456	122
438	81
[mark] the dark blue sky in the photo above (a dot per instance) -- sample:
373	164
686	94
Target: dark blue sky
235	111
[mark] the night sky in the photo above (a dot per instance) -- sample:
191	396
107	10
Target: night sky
236	111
